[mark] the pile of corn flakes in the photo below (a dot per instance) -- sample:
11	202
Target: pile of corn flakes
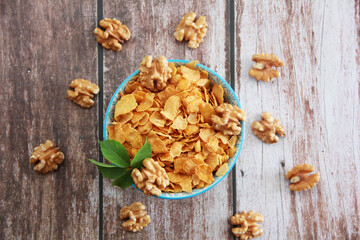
177	123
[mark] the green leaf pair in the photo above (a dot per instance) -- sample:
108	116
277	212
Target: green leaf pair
122	167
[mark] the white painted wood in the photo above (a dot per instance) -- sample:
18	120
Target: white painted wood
317	99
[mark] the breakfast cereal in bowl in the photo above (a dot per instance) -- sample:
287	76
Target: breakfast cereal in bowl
191	118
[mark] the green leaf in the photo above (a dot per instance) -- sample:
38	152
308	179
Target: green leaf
115	152
124	181
101	164
144	152
109	171
112	173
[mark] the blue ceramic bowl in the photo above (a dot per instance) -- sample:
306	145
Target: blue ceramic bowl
230	97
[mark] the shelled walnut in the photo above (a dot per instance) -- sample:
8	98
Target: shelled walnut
115	33
227	119
191	31
154	73
299	178
83	92
262	69
46	157
267	128
247	222
152	179
137	215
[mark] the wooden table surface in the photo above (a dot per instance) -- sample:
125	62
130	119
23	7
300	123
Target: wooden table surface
46	44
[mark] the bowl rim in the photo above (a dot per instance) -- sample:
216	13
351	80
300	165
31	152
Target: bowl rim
242	135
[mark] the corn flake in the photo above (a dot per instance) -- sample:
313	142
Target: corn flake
204	173
146	102
179	123
206	133
132	136
204	74
126	104
212	145
190	74
191	129
224	138
176	149
192	65
166	158
181	179
171	107
183	84
157	120
190	164
137	116
207	110
192	118
192	103
145	129
132	86
124	118
166	93
233	141
157	145
212	160
223	169
197	146
175	79
173	68
202	82
116	132
218	92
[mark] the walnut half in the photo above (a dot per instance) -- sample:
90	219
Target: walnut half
152	179
267	128
247	226
137	217
83	92
262	69
299	178
191	31
227	119
154	73
114	34
46	157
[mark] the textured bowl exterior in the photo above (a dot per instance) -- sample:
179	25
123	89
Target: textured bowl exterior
229	96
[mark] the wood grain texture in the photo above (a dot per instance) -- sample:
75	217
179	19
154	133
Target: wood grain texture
317	99
43	46
153	24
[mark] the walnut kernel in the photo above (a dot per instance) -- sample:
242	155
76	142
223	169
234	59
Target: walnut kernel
267	128
227	119
299	178
262	69
137	215
46	157
191	31
247	222
114	34
154	73
83	92
152	179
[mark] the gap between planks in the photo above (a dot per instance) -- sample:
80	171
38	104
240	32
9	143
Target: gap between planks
100	13
231	6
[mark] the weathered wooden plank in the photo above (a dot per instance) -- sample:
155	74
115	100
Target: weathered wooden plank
44	45
152	24
317	99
